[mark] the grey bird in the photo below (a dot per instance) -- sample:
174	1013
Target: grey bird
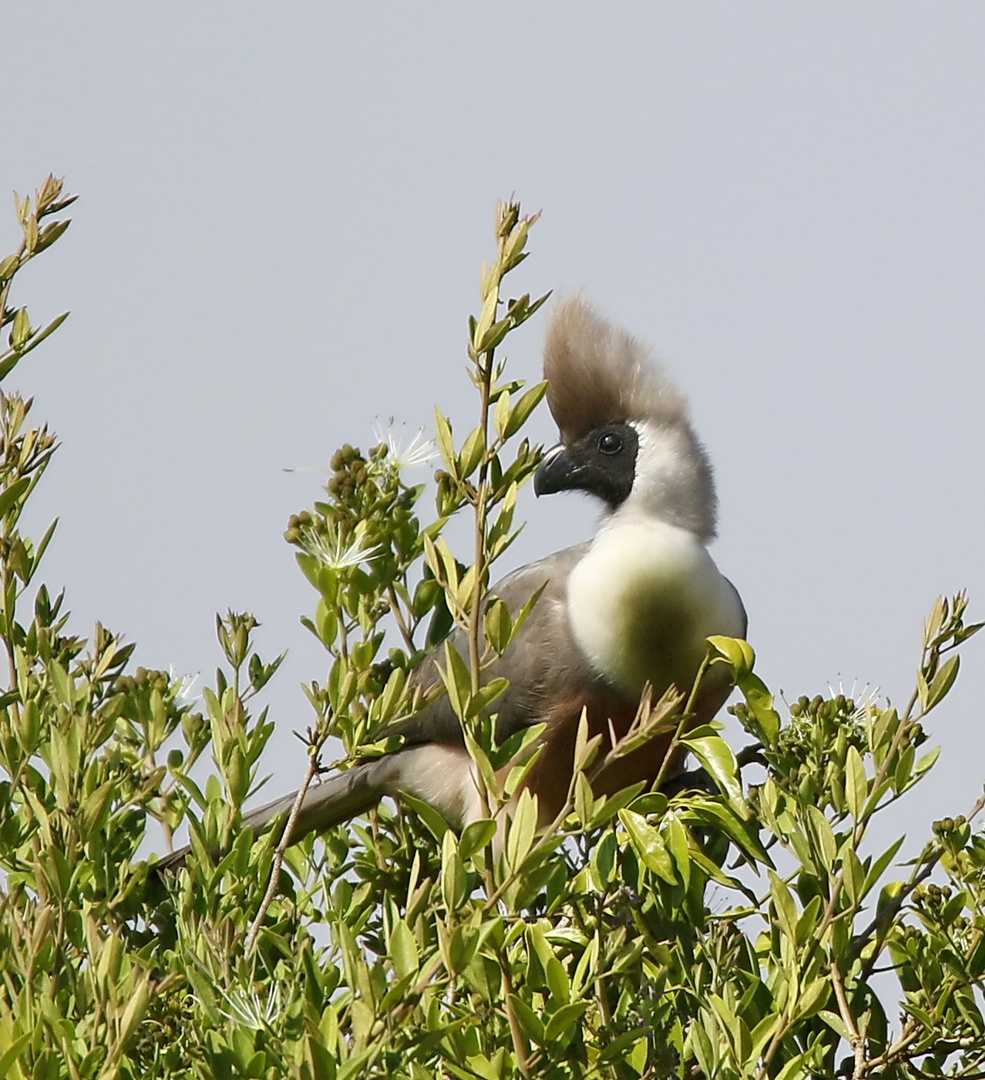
632	607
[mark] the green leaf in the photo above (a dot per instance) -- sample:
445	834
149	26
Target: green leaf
603	861
475	836
835	1022
563	1020
607	808
649	845
617	1049
856	783
903	773
472	451
64	686
584	799
513	248
879	866
478	1066
461	949
11	495
21	330
824	838
740	832
677	844
808	921
728	1019
13	1052
737	652
784	906
530	1022
795	1067
763	1032
443	437
50	233
458	682
761	719
485	320
502	414
136	1006
432	818
942	683
927	762
703	1046
853	875
521	830
403	950
488	694
10	361
495	334
498	625
716	756
516	747
326	623
524	407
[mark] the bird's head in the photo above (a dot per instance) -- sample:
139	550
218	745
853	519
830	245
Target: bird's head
625	433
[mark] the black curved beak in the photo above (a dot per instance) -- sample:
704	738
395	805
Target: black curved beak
559	471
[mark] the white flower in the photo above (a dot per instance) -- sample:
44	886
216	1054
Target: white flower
185	684
866	698
329	549
418	451
247	1010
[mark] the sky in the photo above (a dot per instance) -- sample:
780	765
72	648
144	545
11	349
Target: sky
282	214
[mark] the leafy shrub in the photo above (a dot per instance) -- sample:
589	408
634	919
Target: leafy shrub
735	931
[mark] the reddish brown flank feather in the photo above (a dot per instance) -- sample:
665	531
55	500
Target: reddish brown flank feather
608	711
605	713
597	374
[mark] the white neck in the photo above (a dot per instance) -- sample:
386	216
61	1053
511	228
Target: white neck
673	478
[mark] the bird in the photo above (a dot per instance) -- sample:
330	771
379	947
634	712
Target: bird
625	613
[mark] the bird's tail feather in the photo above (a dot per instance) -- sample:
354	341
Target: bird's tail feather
337	799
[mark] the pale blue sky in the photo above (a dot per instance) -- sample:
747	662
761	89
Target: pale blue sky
283	210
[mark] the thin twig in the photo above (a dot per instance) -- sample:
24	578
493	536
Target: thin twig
516	1034
884	918
399	618
282	846
686	716
856	1040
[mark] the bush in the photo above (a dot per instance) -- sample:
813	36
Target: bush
738	931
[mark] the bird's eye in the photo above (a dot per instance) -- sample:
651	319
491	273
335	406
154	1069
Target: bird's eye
610	443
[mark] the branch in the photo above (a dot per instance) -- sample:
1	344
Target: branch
282	846
883	919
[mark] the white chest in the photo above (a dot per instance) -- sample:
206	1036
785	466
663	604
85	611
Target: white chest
643	600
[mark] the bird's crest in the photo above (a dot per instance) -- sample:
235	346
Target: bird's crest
598	374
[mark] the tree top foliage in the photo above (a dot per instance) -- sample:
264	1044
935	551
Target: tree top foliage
747	928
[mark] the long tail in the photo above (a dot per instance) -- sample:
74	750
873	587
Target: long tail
337	799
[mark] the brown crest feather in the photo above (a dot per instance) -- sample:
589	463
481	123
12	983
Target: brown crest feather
598	374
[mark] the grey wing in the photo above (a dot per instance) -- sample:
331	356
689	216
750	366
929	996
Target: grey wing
542	663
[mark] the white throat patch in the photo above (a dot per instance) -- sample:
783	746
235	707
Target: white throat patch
672	478
644	599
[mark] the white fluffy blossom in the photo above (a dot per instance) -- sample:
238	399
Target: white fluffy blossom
330	550
246	1009
404	453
